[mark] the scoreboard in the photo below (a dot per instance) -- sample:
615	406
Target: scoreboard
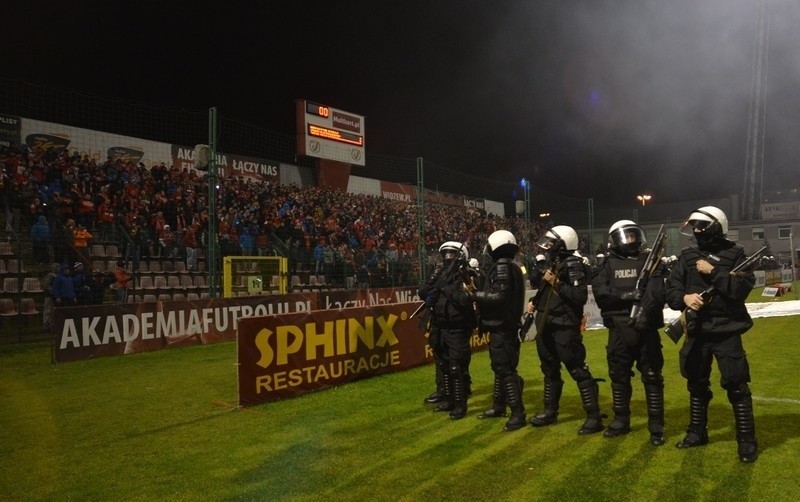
329	133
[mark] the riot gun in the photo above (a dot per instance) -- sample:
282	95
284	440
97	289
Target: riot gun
527	322
686	322
458	263
649	268
552	290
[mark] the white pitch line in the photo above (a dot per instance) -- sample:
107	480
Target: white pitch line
777	400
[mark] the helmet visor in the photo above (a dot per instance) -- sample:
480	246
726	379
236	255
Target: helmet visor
627	237
547	243
694	226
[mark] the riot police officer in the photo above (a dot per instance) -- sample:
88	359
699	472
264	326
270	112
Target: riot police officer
614	284
500	304
717	331
452	319
559	312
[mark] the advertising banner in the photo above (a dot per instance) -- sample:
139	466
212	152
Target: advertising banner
10	131
108	330
287	355
111	330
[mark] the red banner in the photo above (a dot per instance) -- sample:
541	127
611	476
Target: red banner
287	355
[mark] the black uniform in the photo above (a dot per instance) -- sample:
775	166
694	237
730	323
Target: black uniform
559	341
452	319
716	334
500	304
613	285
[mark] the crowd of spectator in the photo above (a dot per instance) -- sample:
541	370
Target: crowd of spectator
66	201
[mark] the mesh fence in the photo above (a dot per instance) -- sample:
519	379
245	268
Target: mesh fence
102	208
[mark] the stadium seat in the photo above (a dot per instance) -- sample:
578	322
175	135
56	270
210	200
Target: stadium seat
6	249
3	267
31	285
165	297
180	267
97	251
10	285
27	306
295	284
7	307
160	283
186	283
178	297
174	283
192	296
15	266
200	283
112	251
155	267
149	298
146	283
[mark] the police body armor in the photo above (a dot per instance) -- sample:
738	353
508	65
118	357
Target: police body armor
565	313
718	316
506	279
623	274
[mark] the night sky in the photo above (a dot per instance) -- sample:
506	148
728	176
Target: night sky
603	99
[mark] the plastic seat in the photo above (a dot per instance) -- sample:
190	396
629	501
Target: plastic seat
112	251
180	267
295	284
149	298
192	296
6	249
146	283
31	285
174	283
160	283
178	297
10	285
201	283
15	266
27	306
97	251
186	282
7	307
165	297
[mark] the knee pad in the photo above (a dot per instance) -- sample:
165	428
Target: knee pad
581	373
741	392
618	374
650	377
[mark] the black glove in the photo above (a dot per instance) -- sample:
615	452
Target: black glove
641	321
633	296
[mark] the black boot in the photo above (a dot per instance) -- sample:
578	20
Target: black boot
742	402
498	408
446	404
590	397
697	434
459	382
439	394
621	399
654	394
513	389
552	395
